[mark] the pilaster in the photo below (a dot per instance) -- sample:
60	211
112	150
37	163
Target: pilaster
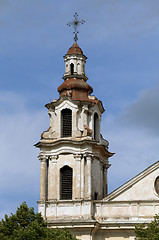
52	178
88	177
77	176
42	177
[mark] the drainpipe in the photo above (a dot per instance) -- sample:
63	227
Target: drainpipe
93	232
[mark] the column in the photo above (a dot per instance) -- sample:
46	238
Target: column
77	177
52	178
42	178
88	177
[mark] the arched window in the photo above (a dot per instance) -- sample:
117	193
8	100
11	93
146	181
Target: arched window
96	127
66	123
66	174
72	68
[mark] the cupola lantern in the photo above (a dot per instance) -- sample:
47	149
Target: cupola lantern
75	63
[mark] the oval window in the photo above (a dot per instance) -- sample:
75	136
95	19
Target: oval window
157	185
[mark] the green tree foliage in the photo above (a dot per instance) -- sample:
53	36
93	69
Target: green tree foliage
25	224
149	232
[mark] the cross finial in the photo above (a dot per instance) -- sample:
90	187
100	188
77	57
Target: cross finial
75	24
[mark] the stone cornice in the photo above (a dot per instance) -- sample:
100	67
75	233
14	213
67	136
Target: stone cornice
65	201
119	224
63	98
54	158
72	223
75	147
104	201
90	103
101	225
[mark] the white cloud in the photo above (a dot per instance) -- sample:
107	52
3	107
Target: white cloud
134	137
20	168
144	113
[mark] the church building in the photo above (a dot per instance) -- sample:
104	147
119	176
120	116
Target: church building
74	160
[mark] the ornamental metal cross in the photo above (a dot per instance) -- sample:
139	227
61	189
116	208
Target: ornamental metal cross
75	24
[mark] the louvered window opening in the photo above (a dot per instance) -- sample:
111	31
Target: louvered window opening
66	183
66	123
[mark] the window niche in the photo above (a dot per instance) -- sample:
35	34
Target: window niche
96	127
72	68
66	174
156	185
66	122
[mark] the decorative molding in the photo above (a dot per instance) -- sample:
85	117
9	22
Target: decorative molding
78	157
42	158
107	165
54	158
85	108
89	157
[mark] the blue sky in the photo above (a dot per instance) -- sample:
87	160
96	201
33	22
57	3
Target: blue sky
120	39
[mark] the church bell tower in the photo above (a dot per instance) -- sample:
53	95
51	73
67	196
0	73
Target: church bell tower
73	154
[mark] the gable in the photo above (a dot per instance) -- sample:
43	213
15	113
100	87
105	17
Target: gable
140	188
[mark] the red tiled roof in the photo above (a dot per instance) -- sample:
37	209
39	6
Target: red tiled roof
73	83
75	49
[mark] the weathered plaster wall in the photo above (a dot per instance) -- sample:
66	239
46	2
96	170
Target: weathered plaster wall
142	190
66	209
126	211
